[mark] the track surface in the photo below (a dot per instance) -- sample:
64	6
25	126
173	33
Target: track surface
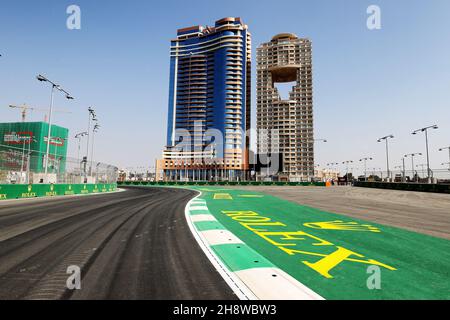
134	244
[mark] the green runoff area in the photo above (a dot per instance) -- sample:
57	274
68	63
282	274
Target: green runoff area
23	191
334	255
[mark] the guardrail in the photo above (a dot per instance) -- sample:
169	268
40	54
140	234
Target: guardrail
421	187
219	183
22	191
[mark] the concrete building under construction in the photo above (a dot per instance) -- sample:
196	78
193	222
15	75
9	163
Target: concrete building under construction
286	123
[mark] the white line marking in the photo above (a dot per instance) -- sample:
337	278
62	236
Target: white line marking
275	284
202	217
239	288
198	208
216	237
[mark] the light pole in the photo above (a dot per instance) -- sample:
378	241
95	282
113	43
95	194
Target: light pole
331	165
94	130
401	168
447	148
412	155
347	163
423	165
374	170
68	97
365	166
352	170
426	141
79	136
404	170
386	138
92	117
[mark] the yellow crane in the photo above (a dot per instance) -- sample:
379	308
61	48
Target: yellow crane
24	109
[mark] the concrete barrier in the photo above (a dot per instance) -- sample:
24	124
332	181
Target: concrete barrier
421	187
219	183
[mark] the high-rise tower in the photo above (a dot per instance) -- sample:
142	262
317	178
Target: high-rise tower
209	94
286	59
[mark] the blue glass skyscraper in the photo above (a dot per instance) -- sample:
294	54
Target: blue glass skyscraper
210	78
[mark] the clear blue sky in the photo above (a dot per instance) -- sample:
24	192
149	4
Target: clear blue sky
366	83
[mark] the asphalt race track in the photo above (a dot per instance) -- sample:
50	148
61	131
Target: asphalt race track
134	244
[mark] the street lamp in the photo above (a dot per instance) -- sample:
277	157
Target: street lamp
332	167
386	138
404	170
445	148
94	130
92	117
374	170
352	170
79	136
347	163
422	165
332	164
41	78
412	155
426	141
365	166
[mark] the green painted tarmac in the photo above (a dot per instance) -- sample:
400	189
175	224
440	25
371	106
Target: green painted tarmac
336	256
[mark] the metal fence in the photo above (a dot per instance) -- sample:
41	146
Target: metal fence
28	167
420	175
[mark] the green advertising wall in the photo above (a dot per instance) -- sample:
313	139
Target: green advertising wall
16	138
22	191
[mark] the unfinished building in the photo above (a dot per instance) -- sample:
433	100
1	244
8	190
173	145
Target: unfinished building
286	59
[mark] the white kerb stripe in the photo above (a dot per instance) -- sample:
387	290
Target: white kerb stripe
240	289
198	208
216	237
202	217
275	284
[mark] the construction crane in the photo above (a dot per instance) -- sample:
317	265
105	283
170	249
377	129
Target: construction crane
24	109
